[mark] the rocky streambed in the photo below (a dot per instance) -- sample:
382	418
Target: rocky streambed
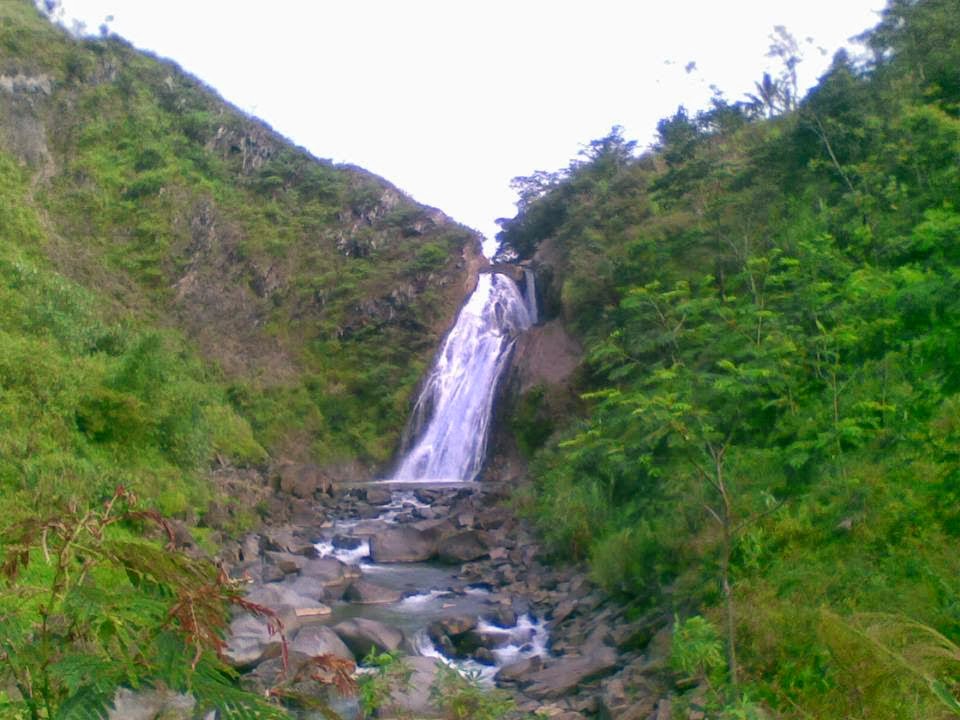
444	575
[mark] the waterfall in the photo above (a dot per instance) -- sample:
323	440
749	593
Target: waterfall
448	429
530	294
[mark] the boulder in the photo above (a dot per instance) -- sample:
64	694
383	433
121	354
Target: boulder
320	640
329	571
567	673
402	544
519	671
288	563
453	625
250	642
276	595
379	496
364	592
504	617
414	699
362	635
462	547
312	588
151	703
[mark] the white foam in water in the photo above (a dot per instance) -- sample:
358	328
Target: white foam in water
351	557
424	598
527	638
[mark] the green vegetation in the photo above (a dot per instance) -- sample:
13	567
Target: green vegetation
92	607
770	302
180	290
307	288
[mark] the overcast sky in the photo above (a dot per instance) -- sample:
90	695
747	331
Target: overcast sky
450	99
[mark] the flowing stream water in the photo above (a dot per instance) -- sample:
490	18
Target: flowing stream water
447	434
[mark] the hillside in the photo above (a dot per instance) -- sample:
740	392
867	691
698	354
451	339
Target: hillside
181	284
770	310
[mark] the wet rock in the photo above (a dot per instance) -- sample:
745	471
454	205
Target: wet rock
377	496
504	617
428	497
462	547
484	656
488	639
454	625
402	544
362	635
567	673
346	542
284	540
316	640
363	592
520	671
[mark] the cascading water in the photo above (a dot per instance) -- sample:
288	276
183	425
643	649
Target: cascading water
450	420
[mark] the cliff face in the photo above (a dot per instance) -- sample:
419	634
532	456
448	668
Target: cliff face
317	291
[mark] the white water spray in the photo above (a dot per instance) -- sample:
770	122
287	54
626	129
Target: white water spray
452	415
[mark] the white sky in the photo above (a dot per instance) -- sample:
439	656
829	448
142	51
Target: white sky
448	99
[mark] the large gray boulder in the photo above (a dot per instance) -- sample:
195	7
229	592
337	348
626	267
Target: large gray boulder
567	673
403	545
363	592
315	640
362	635
462	547
250	642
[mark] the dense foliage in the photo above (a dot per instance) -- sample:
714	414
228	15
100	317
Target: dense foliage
770	301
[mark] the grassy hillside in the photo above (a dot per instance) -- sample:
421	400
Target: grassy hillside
770	302
181	282
181	289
